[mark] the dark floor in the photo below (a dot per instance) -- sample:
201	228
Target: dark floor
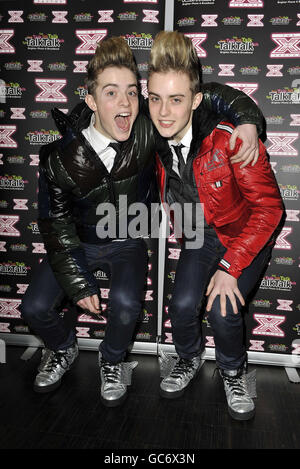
72	417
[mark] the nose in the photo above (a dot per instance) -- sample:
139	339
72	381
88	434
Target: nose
163	109
124	99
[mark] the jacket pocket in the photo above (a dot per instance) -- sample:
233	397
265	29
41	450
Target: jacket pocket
223	195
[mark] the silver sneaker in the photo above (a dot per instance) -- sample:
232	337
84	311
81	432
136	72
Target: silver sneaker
240	389
53	366
177	374
114	381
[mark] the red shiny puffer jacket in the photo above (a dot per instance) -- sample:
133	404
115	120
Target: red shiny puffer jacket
243	205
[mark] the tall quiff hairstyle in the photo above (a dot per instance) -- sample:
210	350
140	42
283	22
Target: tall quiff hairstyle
172	50
110	52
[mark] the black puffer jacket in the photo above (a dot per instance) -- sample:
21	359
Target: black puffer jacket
73	182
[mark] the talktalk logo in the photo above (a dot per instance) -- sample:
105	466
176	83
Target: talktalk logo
236	45
139	41
277	282
43	41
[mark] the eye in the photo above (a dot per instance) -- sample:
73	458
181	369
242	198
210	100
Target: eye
177	100
132	93
154	99
110	93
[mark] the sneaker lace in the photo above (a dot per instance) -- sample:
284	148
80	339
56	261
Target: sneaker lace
112	373
236	384
182	367
54	359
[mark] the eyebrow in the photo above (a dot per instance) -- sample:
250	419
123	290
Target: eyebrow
171	95
117	86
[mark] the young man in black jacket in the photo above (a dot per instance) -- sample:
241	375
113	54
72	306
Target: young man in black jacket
107	151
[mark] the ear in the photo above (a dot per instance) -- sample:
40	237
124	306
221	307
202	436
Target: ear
89	99
197	100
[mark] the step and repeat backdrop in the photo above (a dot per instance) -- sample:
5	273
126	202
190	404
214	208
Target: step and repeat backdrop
45	46
254	46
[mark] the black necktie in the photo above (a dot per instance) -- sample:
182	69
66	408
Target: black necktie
181	162
116	146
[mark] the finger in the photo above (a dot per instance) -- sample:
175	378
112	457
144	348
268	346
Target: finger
209	288
240	297
232	140
243	153
223	304
255	157
233	303
95	301
210	301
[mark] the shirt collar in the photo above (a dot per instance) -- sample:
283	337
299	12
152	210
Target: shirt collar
185	141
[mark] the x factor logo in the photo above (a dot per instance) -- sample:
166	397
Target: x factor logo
274	70
285	305
226	70
34	160
7	227
6	132
295	119
34	66
281	242
247	88
38	248
20	204
8	308
80	66
210	341
17	113
209	20
292	215
174	253
281	143
105	16
197	39
82	331
246	4
144	88
255	21
168	338
150	16
89	40
50	90
257	345
4	327
22	287
15	16
2	246
287	45
50	2
5	47
269	325
59	17
140	1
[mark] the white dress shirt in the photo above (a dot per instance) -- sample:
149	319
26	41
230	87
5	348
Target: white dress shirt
100	144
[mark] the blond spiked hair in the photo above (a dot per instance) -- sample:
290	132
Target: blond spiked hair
172	50
111	52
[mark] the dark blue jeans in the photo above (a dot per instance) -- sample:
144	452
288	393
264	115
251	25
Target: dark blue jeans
194	270
125	263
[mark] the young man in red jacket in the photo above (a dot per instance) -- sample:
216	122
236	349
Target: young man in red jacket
241	209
